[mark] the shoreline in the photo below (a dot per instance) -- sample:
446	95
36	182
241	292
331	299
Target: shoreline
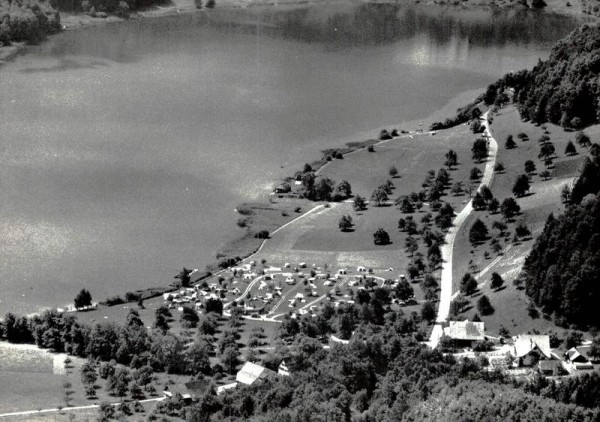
73	21
244	245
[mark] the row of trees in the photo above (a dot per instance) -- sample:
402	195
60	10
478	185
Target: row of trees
322	188
130	344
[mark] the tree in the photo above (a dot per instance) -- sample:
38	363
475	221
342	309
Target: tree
522	231
451	159
509	208
345	224
510	143
106	411
478	202
406	206
493	205
230	359
428	311
381	237
521	186
582	139
161	323
546	151
359	203
342	191
545	174
197	357
529	167
393	172
457	188
184	277
565	194
475	173
323	189
498	167
379	196
573	339
523	137
496	246
479	150
214	305
88	374
594	350
402	224
411	226
484	306
189	317
403	290
497	281
500	226
478	232
458	305
486	193
83	299
570	148
468	284
411	245
118	382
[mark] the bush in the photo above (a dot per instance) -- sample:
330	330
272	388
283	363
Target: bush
244	210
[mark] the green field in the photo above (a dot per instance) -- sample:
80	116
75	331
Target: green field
544	198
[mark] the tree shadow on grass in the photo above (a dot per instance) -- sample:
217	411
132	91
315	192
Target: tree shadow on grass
467	309
499	289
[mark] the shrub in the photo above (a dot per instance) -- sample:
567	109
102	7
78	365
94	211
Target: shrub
244	210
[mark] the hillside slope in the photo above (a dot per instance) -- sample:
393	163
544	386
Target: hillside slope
563	89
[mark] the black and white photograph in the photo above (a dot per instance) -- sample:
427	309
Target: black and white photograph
299	210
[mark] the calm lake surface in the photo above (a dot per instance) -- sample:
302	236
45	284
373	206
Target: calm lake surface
125	148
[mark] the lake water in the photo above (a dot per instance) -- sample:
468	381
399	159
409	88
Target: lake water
125	148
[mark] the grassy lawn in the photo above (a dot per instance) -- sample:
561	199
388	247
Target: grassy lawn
544	198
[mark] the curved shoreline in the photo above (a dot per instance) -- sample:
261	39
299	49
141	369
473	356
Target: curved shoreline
448	109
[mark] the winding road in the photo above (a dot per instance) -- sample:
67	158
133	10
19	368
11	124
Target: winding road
448	247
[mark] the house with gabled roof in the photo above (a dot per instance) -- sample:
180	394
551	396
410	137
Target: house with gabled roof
577	360
252	372
465	333
529	349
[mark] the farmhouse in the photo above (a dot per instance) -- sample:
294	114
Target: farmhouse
529	349
465	333
577	360
252	372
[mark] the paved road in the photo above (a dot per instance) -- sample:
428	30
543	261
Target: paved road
448	247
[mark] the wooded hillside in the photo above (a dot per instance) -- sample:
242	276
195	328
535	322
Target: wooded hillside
563	89
562	272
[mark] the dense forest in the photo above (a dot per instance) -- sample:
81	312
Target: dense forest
563	89
562	272
27	20
385	373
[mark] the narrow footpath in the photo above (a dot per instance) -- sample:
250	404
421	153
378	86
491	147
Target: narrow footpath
448	247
